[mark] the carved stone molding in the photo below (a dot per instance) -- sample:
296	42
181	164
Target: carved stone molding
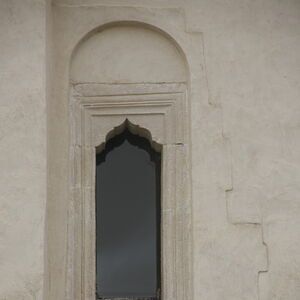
83	111
161	109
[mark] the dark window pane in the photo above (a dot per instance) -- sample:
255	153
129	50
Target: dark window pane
128	218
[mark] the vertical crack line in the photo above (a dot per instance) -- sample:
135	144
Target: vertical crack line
262	273
205	71
263	269
229	167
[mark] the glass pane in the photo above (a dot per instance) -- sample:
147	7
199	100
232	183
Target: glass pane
128	218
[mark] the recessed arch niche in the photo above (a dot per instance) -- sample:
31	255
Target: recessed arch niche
128	53
129	71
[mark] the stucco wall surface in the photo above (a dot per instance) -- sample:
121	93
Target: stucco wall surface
22	148
245	146
252	52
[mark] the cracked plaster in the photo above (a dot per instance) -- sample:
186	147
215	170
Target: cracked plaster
244	144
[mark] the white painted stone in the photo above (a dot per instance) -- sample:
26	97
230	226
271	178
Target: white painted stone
22	149
143	55
243	131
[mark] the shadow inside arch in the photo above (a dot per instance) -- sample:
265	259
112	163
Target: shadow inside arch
134	133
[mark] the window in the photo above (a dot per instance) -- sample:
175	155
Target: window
154	114
128	218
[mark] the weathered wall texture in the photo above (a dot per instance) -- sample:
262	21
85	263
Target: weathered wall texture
245	146
22	148
252	52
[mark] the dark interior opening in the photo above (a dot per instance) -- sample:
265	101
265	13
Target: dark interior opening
128	189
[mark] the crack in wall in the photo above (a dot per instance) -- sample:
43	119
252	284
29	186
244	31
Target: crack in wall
264	271
205	71
229	190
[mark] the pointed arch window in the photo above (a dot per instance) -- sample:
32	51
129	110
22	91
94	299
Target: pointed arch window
128	191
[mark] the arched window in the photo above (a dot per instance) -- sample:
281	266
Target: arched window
151	90
128	218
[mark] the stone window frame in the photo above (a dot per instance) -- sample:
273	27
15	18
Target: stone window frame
159	112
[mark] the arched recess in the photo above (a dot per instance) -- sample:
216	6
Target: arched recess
131	52
128	171
128	70
132	128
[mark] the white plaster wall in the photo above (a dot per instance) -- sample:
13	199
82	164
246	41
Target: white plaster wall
245	173
22	148
252	52
142	55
